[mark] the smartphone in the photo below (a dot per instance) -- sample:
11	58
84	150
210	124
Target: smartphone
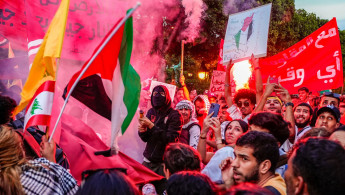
274	80
215	109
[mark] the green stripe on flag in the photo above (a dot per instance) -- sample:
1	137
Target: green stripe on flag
130	78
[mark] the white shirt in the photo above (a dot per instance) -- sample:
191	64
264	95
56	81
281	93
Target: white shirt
212	169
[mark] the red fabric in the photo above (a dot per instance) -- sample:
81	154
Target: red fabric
79	142
87	24
106	61
220	65
246	22
315	62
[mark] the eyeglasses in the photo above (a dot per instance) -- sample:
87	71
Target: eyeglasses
155	93
239	104
331	94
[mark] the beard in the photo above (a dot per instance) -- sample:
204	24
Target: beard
289	186
302	125
252	177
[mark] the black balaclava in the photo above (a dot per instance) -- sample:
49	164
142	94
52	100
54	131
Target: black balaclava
158	101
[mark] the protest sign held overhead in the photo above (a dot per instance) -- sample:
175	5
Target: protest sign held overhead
247	34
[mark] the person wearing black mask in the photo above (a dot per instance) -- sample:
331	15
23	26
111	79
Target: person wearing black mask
161	126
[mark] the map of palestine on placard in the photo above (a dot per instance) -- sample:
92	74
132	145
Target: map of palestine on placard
247	34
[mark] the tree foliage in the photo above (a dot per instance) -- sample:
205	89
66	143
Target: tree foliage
287	27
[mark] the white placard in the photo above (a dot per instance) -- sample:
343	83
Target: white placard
247	34
171	88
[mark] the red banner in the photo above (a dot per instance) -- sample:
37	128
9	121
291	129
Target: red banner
315	62
88	22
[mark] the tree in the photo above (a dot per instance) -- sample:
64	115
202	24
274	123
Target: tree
287	27
35	106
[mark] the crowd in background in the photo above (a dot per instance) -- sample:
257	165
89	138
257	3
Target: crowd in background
266	141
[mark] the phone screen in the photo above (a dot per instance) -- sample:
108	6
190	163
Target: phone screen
215	109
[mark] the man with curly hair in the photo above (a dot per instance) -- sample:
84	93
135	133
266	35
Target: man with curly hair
242	105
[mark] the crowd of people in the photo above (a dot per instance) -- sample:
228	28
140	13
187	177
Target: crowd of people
266	141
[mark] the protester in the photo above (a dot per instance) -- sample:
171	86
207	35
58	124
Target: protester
274	124
256	156
316	166
342	105
233	130
107	181
191	129
302	117
39	176
247	188
212	98
180	157
202	105
302	114
328	98
7	105
162	125
181	93
273	104
328	117
316	132
192	95
190	182
303	94
339	136
242	104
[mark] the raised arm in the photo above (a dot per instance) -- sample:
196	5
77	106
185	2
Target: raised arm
270	87
185	89
258	79
289	117
203	135
227	86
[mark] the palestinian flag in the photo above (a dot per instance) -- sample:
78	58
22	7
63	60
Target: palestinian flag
40	106
111	67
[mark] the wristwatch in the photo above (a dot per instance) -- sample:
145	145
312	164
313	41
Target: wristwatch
289	104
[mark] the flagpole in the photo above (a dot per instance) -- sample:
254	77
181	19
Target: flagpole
182	52
129	14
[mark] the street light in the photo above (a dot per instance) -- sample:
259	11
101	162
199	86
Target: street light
202	74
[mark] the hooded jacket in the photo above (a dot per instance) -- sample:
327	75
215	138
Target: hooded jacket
167	127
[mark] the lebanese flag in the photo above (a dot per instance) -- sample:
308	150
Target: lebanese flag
40	106
110	87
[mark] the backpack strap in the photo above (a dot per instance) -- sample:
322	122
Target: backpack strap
191	125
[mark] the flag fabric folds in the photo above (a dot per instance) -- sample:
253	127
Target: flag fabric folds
40	107
78	138
111	67
44	65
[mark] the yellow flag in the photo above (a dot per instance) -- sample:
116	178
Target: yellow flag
44	65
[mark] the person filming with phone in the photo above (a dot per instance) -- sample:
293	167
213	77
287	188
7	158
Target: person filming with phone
233	130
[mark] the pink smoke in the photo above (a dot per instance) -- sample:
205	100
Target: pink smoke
193	10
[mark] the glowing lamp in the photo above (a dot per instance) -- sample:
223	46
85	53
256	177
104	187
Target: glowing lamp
202	75
190	74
